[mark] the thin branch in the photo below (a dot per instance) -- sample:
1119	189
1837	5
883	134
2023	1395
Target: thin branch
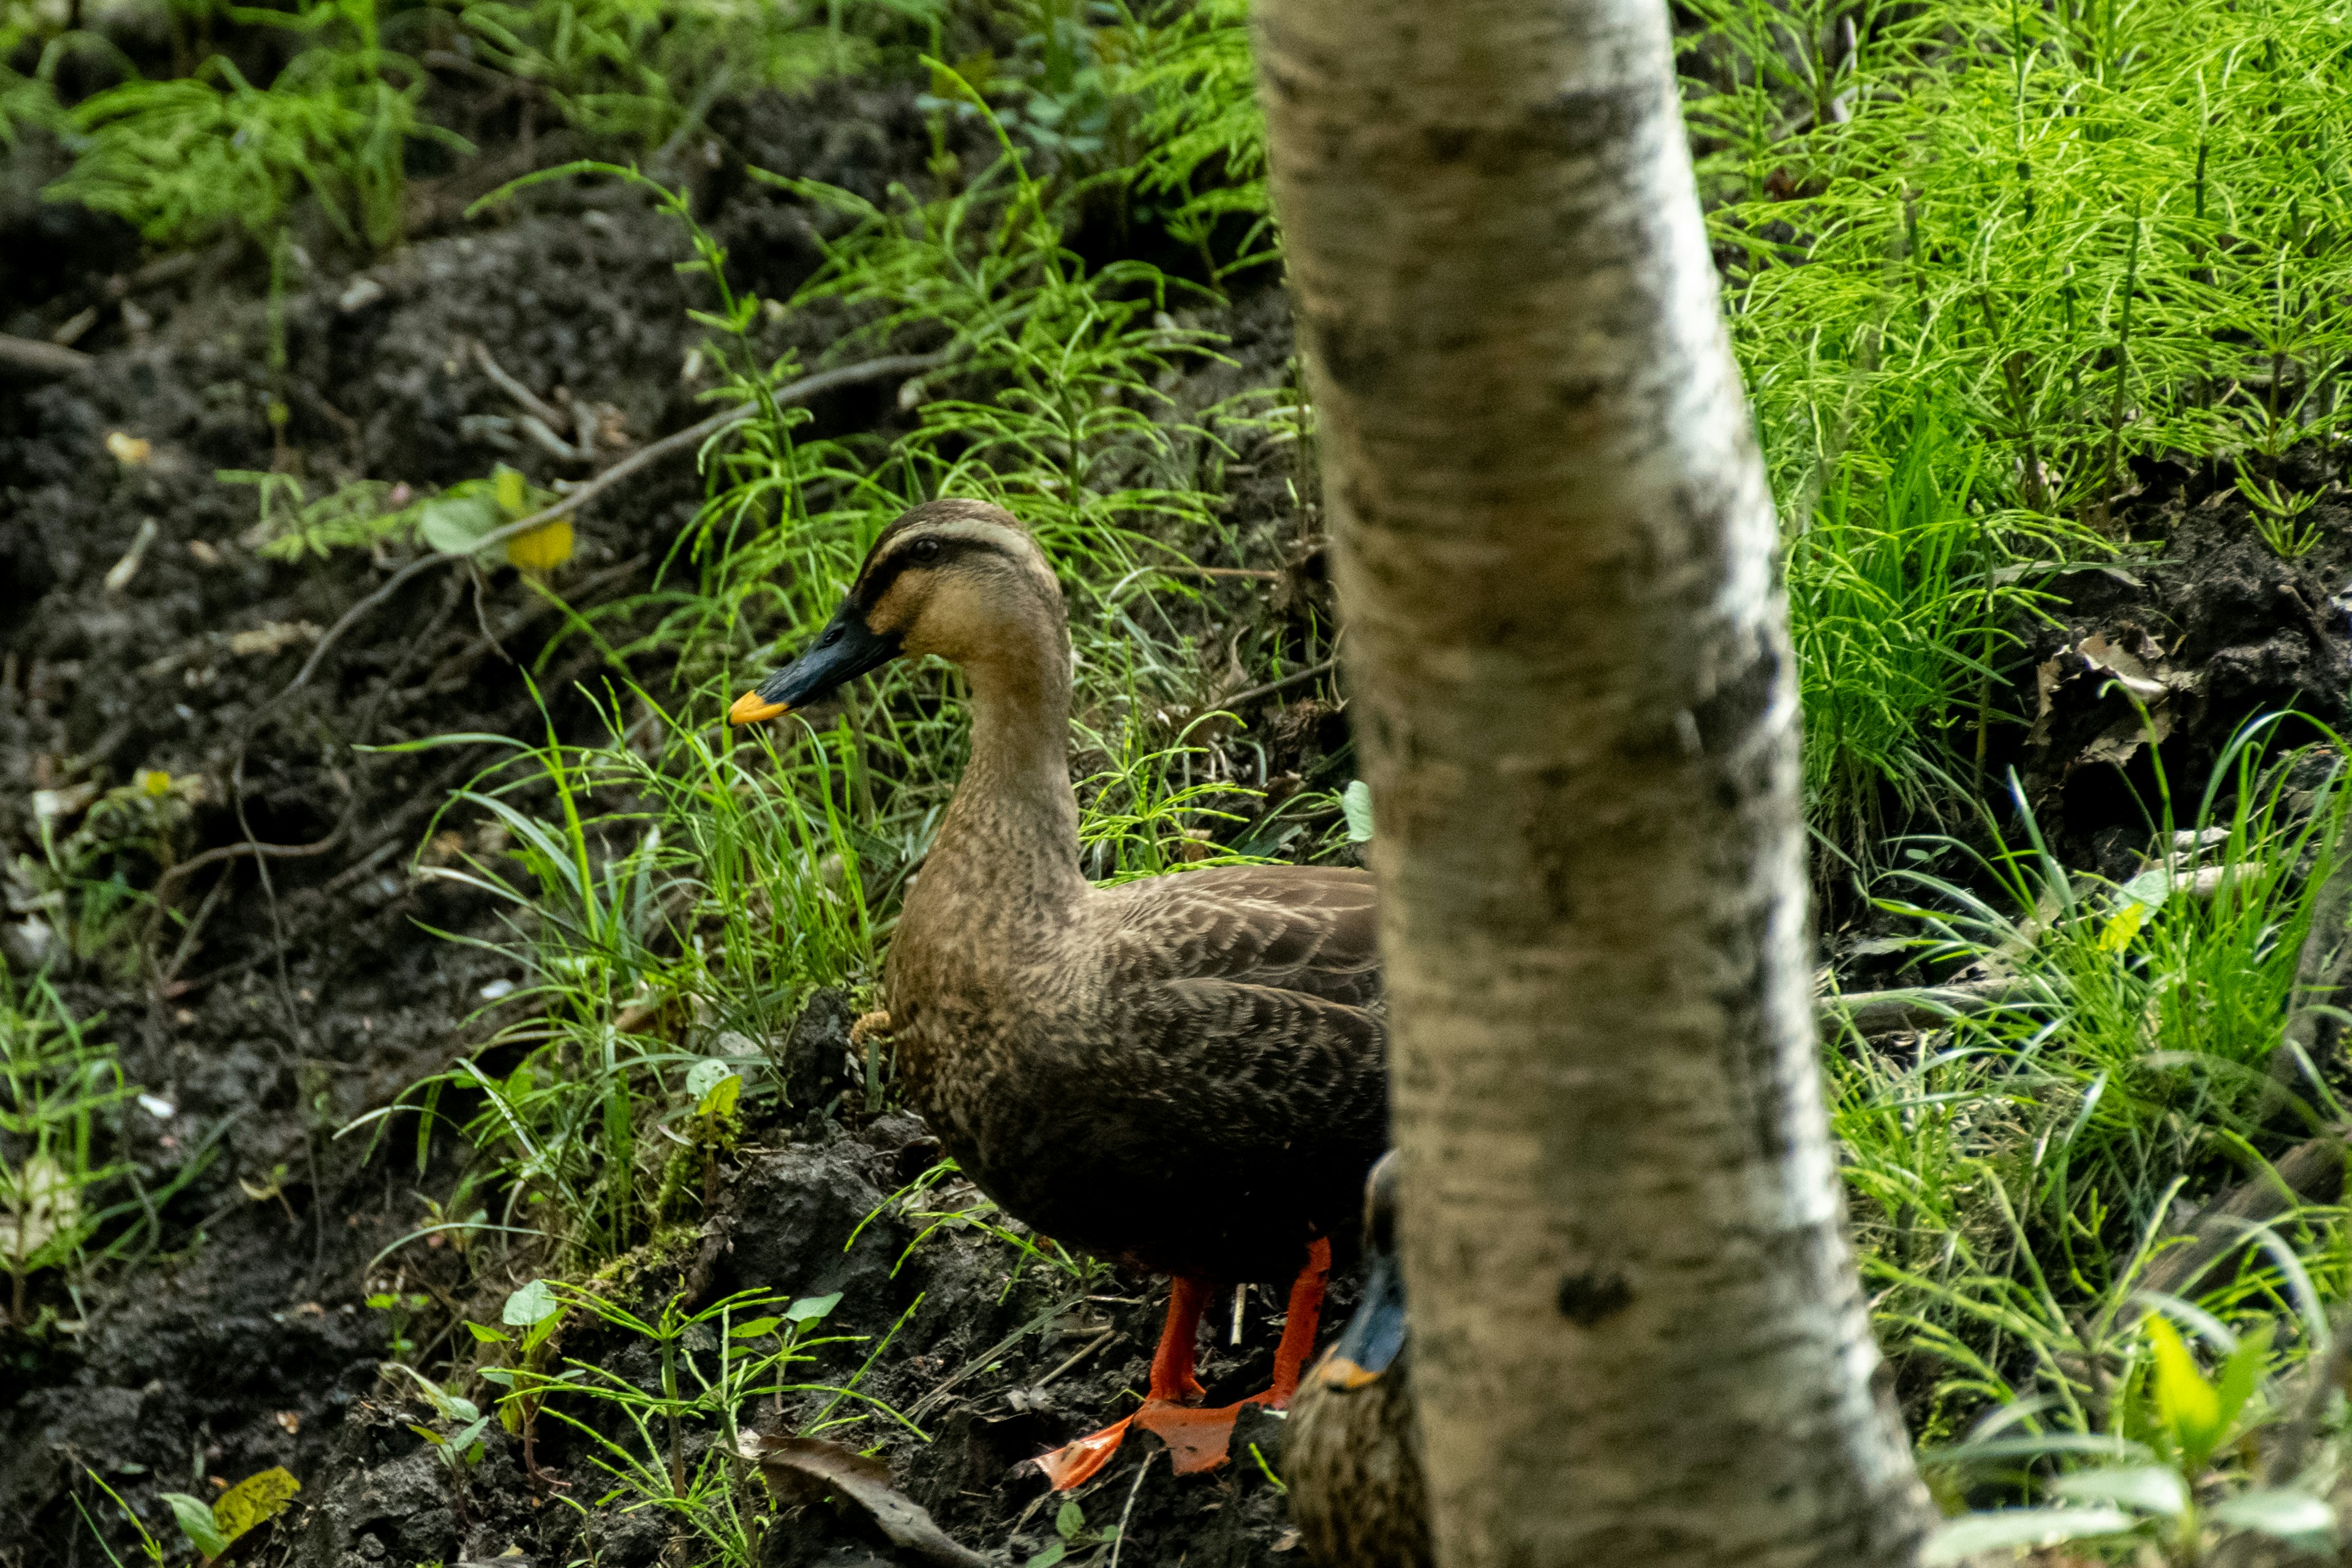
693	436
1254	693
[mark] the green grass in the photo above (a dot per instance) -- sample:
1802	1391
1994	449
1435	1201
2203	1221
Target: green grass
69	1201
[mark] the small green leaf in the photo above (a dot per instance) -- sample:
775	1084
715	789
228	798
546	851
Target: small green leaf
534	1303
1070	1520
810	1309
2281	1511
1051	1555
2242	1372
196	1522
704	1077
1356	805
502	1377
1956	1540
484	1334
754	1328
720	1101
455	521
429	1435
2185	1402
2150	1488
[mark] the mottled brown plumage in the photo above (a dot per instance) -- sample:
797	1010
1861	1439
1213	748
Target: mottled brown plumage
1185	1073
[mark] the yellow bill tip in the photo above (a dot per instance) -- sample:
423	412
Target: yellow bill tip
751	708
1339	1371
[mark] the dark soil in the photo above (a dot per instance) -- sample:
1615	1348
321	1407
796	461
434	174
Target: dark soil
307	993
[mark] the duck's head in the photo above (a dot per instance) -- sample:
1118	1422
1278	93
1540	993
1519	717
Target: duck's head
1375	1336
956	578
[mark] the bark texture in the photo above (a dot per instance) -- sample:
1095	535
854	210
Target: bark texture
1639	1338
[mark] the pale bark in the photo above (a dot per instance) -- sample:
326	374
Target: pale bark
1639	1336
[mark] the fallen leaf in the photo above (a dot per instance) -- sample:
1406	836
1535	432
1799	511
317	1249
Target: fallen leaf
796	1466
291	1420
128	450
254	1501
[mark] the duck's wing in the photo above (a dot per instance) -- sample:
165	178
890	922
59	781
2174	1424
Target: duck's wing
1308	930
1255	991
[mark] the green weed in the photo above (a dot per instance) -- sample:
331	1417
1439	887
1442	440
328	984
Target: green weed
647	71
56	1087
185	157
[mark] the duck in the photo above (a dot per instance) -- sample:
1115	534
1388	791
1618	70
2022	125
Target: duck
1351	1447
1185	1074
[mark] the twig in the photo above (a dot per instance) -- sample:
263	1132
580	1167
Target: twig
513	388
187	945
41	358
1262	574
1127	1513
1254	693
1874	1014
1091	1346
931	1400
800	391
2311	1172
258	851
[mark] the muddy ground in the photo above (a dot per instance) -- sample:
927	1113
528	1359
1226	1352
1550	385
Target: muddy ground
309	992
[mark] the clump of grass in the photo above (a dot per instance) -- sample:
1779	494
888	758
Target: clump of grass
2014	1178
2083	225
1904	595
634	71
59	1089
183	158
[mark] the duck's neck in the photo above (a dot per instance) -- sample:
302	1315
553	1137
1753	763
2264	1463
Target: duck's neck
1012	827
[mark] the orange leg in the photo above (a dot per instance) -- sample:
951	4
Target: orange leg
1198	1439
1172	1384
1306	1313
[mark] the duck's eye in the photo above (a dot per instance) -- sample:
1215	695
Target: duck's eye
924	550
832	636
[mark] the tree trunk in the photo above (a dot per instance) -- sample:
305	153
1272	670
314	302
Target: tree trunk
1638	1335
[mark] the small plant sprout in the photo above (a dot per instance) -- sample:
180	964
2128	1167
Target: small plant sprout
216	1527
2280	515
2155	1485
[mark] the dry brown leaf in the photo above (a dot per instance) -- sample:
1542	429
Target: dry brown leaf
793	1467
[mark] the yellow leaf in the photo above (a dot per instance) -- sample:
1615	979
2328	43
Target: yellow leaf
2185	1402
541	549
512	496
155	781
127	450
2123	928
254	1501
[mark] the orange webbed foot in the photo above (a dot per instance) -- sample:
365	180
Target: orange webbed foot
1075	1463
1198	1440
